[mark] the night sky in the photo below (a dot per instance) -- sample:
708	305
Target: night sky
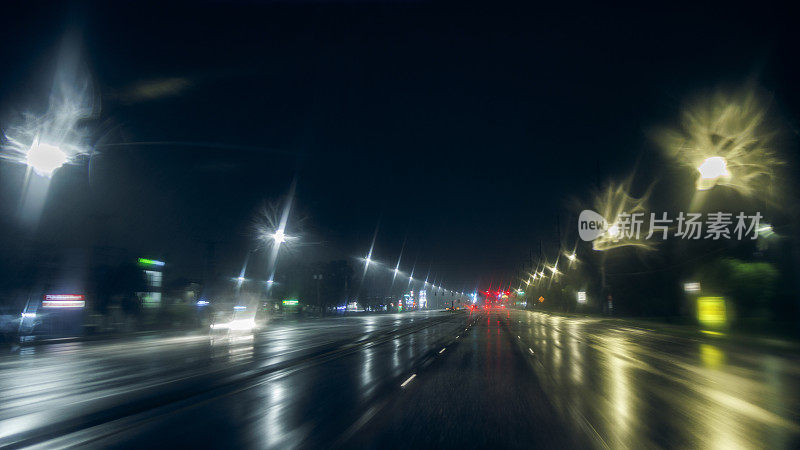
462	130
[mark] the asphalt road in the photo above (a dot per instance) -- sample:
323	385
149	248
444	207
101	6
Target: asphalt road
499	379
626	385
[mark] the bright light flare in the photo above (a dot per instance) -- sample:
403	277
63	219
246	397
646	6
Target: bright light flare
236	325
46	141
279	236
45	158
728	137
270	229
711	170
614	200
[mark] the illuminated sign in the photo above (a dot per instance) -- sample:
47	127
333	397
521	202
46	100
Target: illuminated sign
290	302
63	301
711	311
151	262
691	287
581	297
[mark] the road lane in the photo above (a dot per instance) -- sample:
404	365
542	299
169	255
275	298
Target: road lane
307	405
513	379
480	393
631	387
83	384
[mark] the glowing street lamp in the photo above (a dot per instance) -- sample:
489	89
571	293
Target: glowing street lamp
279	236
711	171
45	158
729	137
46	140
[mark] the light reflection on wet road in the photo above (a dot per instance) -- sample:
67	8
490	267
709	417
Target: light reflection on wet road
480	393
87	382
499	379
631	387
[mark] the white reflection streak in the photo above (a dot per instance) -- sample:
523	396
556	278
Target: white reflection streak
396	355
241	347
576	358
274	427
366	372
369	325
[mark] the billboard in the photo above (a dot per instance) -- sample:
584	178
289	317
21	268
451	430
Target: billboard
63	301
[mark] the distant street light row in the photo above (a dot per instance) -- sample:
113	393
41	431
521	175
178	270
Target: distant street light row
396	271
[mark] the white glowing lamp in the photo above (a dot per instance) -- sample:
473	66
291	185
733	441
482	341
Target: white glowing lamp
711	170
45	158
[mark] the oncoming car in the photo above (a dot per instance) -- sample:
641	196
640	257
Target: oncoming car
238	319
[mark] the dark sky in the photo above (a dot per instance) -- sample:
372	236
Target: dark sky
463	129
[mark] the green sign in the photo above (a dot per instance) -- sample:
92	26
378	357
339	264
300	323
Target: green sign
150	262
289	302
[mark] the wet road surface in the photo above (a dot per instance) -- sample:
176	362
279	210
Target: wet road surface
628	386
499	379
87	390
483	394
